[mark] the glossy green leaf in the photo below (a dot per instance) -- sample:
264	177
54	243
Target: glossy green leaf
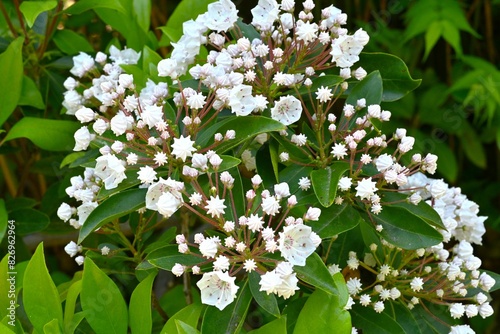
52	327
266	301
165	238
183	328
228	162
335	220
471	144
130	181
140	315
11	67
3	219
404	317
370	88
30	95
40	296
189	315
325	182
31	9
71	43
277	326
405	230
230	320
70	321
422	210
292	174
370	322
6	330
112	208
167	256
396	79
84	5
48	134
149	56
316	273
103	304
321	314
29	220
246	128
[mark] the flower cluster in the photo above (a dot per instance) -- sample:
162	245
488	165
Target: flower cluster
445	274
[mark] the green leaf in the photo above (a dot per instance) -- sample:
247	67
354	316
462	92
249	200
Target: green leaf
142	13
71	42
188	315
322	313
335	220
230	319
404	317
422	210
366	319
266	301
452	35
6	330
48	134
52	327
474	150
31	9
140	307
84	5
70	321
114	207
3	220
167	256
396	79
228	162
325	182
316	273
404	229
277	326
432	35
5	300
29	220
30	95
183	328
40	297
370	88
149	57
292	174
11	67
103	304
246	128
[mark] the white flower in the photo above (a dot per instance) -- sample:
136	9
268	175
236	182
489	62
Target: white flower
264	14
64	212
287	110
82	64
486	282
119	123
282	190
379	307
324	94
79	260
168	204
85	115
312	214
215	206
241	100
417	284
345	183
295	244
346	48
152	114
178	269
105	250
438	188
339	151
366	188
221	263
183	147
208	247
72	248
255	223
485	310
111	170
84	211
270	206
457	310
82	139
221	15
406	144
299	140
306	32
304	183
365	300
146	175
249	265
269	282
461	329
353	286
383	162
217	289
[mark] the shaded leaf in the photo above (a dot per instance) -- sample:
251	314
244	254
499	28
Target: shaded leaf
140	314
335	220
30	95
167	256
366	319
11	67
71	43
29	220
316	273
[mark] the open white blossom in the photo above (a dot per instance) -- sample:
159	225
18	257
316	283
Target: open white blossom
287	110
295	244
183	147
111	170
217	289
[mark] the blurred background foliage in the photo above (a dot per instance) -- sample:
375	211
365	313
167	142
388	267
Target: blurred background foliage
451	45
